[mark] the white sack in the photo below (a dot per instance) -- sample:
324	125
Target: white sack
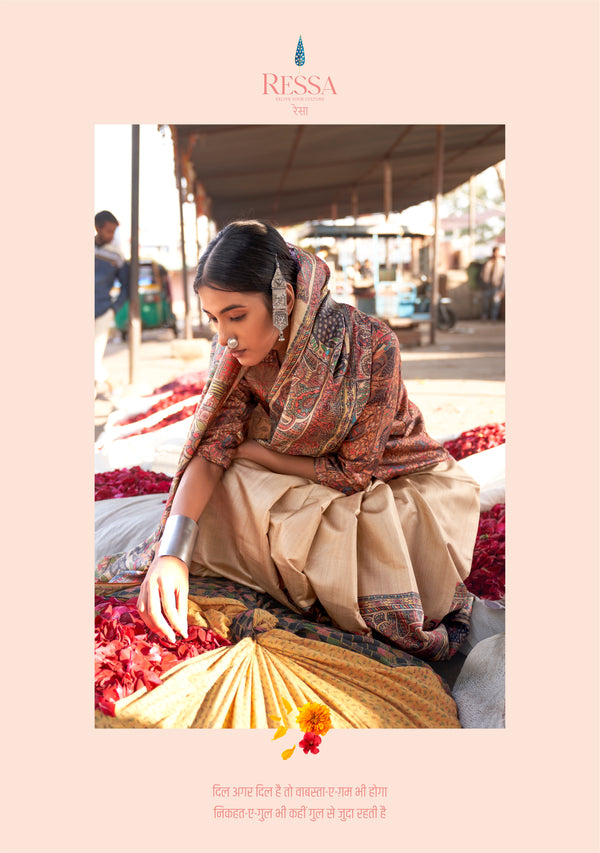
487	618
122	523
489	469
479	689
158	450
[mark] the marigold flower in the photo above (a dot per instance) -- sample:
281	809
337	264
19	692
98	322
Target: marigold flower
314	717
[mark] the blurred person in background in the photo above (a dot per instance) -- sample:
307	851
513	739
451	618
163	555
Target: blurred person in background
109	267
492	285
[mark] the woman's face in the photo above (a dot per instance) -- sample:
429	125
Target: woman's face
244	316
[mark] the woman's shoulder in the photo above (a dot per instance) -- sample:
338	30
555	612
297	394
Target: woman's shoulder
382	336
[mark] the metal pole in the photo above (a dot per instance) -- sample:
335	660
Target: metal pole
354	206
186	299
387	188
376	268
387	203
438	183
135	324
472	221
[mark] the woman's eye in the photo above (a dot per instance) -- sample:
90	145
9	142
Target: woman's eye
215	322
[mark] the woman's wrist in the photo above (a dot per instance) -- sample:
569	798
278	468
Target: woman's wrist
178	538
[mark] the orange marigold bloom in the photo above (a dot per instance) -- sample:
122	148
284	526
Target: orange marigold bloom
314	717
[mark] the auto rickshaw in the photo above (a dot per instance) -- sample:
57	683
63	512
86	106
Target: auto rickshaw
156	303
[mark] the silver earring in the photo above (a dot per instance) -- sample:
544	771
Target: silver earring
233	343
279	296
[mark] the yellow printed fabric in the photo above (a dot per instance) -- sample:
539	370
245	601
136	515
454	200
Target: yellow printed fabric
242	686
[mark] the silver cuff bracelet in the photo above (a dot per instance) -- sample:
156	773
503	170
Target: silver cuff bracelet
179	538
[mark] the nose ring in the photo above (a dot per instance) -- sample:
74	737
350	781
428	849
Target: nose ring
233	343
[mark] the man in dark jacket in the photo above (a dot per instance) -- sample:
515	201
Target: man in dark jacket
109	267
492	285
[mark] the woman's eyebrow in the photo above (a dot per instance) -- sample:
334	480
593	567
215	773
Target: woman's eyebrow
224	310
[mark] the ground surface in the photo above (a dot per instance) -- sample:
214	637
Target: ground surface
457	382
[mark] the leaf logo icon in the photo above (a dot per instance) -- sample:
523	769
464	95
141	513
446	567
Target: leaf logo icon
300	59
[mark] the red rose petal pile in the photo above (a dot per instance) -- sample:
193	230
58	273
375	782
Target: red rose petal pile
129	483
487	578
181	415
186	382
180	392
475	440
128	656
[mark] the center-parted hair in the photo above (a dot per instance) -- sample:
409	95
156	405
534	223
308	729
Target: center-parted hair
242	258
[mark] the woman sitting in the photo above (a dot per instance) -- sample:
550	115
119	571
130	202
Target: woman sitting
307	472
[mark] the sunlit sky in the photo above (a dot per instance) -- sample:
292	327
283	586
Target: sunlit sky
158	208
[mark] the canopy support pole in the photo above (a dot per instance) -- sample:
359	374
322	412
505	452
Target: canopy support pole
387	203
472	220
438	183
134	322
186	298
354	207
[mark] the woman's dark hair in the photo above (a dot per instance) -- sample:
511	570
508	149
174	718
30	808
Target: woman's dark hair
242	258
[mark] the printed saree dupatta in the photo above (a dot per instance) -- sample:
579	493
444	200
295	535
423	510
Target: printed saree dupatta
391	558
130	566
294	409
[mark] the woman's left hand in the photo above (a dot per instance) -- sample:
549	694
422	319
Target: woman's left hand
248	450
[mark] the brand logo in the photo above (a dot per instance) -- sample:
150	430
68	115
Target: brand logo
306	87
287	84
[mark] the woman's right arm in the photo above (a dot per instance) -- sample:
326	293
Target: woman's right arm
162	601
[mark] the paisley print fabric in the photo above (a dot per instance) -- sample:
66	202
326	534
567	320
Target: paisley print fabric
383	541
338	397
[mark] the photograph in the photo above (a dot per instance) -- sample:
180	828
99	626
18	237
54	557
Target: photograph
315	492
328	463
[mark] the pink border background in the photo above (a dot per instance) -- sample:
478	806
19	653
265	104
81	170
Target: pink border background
530	65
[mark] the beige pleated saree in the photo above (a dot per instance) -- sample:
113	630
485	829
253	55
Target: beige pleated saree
383	541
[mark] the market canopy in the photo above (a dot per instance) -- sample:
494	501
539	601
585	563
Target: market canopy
291	174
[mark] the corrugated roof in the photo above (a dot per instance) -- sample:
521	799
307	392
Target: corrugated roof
291	174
